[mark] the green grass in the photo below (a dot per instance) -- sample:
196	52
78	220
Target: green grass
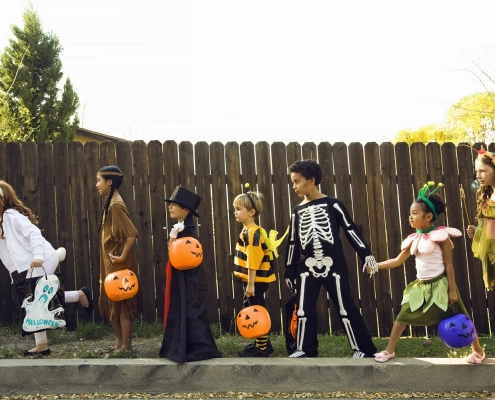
86	341
92	331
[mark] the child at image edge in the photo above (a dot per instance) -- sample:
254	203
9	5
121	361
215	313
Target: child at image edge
484	234
252	264
429	298
23	248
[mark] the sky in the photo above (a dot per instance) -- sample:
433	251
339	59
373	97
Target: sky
265	70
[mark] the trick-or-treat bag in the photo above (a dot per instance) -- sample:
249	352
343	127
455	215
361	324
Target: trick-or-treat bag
42	303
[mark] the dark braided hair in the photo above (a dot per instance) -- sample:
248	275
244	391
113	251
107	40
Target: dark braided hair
437	202
116	182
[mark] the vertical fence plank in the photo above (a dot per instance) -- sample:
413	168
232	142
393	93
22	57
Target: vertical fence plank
452	198
172	179
186	164
234	188
222	250
107	156
79	219
325	158
91	165
126	163
343	193
309	151
65	230
14	167
30	186
267	220
48	216
3	160
282	213
142	222
405	197
203	188
294	153
420	177
158	221
361	218
7	295
435	173
391	193
377	162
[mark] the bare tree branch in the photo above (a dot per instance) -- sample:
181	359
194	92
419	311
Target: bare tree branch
15	77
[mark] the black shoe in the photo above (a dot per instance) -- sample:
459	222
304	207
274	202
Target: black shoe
89	308
253	352
35	353
269	346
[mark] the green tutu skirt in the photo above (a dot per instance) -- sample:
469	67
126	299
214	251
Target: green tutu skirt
484	248
426	303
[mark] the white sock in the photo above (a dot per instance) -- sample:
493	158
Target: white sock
72	296
40	338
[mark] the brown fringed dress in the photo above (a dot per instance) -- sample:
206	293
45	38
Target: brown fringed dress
116	227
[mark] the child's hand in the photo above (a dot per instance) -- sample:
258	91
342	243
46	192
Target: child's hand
470	231
178	227
36	263
453	296
370	266
250	290
116	259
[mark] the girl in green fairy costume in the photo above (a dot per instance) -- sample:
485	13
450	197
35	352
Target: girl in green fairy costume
429	298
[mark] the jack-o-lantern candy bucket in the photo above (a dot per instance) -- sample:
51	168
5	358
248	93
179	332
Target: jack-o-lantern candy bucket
185	253
121	285
457	331
253	322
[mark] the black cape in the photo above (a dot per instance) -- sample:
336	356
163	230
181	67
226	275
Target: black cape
188	336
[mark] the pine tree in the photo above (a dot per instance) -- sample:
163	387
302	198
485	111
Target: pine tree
32	106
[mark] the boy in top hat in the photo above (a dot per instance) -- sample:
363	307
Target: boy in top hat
187	336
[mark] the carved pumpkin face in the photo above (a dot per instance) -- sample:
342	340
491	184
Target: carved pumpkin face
253	321
457	331
121	285
185	253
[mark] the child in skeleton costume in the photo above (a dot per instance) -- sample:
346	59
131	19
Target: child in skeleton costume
429	298
23	248
315	257
254	252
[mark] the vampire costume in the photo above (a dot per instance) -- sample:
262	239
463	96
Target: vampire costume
187	336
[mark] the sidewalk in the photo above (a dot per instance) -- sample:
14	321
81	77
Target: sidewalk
31	376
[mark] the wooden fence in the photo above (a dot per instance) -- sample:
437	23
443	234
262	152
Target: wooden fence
377	183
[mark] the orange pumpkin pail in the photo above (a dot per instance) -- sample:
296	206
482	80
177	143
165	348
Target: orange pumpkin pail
185	253
121	285
253	322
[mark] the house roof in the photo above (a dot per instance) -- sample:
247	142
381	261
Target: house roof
97	135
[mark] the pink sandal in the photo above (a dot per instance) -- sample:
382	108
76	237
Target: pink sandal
475	358
384	356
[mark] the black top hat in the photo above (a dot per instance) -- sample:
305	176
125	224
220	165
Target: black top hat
185	199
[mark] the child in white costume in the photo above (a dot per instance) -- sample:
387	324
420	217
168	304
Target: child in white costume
23	248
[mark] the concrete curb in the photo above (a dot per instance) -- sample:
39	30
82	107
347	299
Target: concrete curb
31	376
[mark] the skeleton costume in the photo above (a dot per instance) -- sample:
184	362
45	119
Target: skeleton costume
315	257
